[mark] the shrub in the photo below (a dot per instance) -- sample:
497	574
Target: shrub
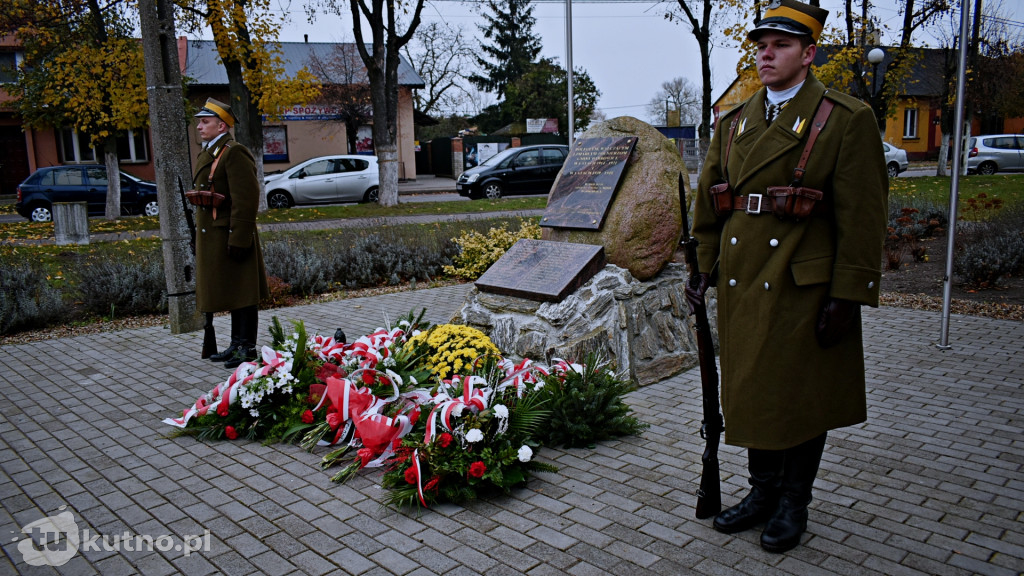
587	406
124	284
987	252
478	251
26	298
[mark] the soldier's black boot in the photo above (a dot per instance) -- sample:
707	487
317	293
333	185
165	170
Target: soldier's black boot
236	341
765	468
248	322
789	521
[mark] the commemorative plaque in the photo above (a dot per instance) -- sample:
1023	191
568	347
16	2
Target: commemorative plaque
542	270
584	191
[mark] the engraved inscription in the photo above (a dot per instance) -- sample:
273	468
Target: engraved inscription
542	270
584	191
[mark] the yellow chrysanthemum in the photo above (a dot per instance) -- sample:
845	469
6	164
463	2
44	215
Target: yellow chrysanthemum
453	347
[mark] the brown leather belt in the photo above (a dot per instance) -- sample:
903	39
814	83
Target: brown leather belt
752	203
762	204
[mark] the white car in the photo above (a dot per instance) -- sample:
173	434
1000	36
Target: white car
325	180
895	160
996	153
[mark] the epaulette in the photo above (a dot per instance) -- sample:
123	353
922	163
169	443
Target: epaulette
844	100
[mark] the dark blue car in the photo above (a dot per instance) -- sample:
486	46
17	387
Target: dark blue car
81	183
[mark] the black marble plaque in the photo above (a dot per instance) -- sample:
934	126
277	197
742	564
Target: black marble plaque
542	270
583	193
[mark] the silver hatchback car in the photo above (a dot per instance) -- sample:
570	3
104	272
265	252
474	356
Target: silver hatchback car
895	160
325	180
995	153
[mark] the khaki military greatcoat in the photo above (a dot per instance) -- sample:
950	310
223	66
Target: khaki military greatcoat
222	283
779	386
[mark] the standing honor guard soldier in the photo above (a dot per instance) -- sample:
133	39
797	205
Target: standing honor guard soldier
790	219
230	273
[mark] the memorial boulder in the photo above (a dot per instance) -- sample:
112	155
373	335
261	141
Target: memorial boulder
642	226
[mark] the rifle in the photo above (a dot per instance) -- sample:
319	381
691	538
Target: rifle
209	336
709	495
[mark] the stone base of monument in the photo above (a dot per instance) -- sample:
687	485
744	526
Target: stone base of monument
642	327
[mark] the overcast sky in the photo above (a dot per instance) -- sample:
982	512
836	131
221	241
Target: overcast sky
626	46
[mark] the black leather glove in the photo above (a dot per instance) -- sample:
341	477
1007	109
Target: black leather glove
836	319
237	253
695	289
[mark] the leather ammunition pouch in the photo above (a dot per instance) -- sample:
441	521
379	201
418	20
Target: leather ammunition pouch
721	198
205	198
794	202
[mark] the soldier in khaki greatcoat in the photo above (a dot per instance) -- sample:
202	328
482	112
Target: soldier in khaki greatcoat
794	249
230	273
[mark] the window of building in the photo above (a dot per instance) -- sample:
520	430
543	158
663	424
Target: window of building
75	147
8	67
133	146
910	123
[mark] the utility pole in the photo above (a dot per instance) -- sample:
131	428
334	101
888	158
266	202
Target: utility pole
169	128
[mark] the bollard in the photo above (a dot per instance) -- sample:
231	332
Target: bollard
70	223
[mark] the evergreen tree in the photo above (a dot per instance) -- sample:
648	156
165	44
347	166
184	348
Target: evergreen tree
514	45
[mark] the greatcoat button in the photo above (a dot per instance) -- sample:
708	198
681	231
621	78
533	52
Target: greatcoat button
773	242
732	282
871	285
733	241
767	286
204	230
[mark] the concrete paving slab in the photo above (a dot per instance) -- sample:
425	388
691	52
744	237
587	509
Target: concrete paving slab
930	484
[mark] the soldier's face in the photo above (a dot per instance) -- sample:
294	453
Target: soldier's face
782	61
210	127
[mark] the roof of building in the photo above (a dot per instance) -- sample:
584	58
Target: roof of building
203	66
927	75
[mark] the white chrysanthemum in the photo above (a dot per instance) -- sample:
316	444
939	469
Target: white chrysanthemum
501	411
457	411
525	453
474	435
389	361
254	413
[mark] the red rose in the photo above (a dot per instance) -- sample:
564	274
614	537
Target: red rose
365	455
444	440
307	417
410	474
369	377
432	484
477	469
230	432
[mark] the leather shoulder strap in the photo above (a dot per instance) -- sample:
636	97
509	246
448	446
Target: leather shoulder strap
824	110
728	144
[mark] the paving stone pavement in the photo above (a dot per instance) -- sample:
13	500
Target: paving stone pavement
930	484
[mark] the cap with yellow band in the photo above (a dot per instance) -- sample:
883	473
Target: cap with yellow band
791	17
217	109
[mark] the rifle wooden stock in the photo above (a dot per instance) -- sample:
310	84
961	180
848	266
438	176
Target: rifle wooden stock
709	495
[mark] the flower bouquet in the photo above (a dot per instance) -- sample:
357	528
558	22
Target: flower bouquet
438	408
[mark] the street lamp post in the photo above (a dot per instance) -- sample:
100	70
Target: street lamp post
875	57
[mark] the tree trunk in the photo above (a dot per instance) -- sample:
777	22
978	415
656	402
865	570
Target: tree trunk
387	157
113	211
940	168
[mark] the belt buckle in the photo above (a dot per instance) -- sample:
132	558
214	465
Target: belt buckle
751	202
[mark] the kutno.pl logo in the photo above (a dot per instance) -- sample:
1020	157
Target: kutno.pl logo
54	541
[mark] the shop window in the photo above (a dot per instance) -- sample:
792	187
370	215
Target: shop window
910	123
275	144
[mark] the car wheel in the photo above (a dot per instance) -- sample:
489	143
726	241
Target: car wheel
372	195
151	208
893	169
279	199
987	168
41	213
492	190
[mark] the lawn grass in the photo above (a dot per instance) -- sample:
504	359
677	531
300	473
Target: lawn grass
26	230
979	196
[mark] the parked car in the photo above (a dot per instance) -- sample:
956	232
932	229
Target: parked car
325	180
81	183
895	160
524	170
995	153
